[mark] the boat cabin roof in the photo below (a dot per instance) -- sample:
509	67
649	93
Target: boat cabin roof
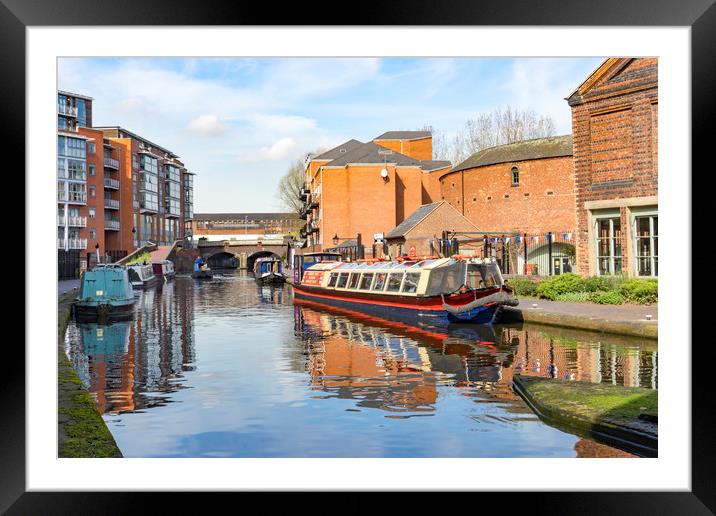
380	266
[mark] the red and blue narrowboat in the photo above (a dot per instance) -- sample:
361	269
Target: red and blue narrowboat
432	290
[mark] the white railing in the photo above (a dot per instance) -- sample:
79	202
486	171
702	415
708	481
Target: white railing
111	163
111	203
111	224
72	243
64	109
111	183
76	221
72	197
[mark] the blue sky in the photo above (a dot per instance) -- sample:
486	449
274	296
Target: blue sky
239	123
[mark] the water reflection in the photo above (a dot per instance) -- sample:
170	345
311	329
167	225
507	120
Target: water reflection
229	368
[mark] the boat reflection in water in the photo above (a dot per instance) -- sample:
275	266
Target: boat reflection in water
133	365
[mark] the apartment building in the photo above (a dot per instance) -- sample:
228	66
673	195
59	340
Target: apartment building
367	188
116	190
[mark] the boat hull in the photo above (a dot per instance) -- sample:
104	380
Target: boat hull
94	310
271	279
202	274
147	283
423	309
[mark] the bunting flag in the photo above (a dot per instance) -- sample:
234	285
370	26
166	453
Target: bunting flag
569	236
564	237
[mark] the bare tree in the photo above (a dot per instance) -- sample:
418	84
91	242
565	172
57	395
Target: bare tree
289	187
501	126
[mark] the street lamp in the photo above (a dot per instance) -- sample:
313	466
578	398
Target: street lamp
335	239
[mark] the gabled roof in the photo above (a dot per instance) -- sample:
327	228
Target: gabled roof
551	147
372	153
339	150
413	220
404	135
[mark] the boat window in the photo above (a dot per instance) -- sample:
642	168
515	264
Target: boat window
394	281
410	285
332	279
379	281
342	280
353	283
446	278
366	280
491	274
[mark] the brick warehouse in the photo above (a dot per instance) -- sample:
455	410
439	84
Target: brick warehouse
368	188
525	186
614	125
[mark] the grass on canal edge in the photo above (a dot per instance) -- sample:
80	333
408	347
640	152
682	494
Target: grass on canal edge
593	402
81	430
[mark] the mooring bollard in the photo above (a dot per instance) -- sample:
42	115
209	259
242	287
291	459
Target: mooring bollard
648	317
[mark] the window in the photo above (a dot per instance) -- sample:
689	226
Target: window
353	283
92	170
646	247
394	281
515	176
609	247
135	161
379	281
91	148
410	285
93	234
149	164
332	279
365	281
92	191
92	213
342	280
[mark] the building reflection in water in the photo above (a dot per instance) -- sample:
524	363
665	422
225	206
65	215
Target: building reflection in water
134	365
399	368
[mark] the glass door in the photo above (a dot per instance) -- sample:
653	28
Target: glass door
609	248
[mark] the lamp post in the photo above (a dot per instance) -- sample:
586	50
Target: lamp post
359	244
134	236
96	248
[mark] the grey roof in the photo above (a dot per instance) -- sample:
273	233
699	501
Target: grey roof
119	130
370	153
551	147
244	216
340	150
404	135
413	220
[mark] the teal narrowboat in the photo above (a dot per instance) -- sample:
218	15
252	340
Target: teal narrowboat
105	291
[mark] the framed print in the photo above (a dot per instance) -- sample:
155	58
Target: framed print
404	250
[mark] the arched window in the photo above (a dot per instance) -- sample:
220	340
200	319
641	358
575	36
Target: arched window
515	176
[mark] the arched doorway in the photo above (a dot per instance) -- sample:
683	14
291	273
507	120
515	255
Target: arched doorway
258	254
223	260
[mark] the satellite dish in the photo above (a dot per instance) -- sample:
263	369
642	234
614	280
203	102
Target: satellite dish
384	173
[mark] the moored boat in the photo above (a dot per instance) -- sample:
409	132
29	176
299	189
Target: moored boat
105	291
165	269
434	290
141	275
268	271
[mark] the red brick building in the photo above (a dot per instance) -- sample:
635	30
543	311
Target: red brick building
614	125
368	188
519	187
418	234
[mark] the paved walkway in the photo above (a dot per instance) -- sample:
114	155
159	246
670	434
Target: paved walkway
67	285
619	319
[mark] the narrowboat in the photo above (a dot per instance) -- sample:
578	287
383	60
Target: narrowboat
105	291
267	271
430	290
141	275
202	274
164	269
301	262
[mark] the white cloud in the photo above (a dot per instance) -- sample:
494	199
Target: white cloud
281	149
208	125
282	123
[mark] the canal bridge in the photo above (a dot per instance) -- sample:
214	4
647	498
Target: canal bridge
242	253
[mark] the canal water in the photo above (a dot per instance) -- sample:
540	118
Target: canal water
226	368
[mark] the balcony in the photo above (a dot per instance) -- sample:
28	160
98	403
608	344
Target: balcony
76	222
64	109
72	197
112	184
303	195
111	204
111	225
72	243
111	163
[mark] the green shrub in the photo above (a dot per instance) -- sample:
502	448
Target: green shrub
523	286
611	297
574	297
602	283
640	291
140	259
562	284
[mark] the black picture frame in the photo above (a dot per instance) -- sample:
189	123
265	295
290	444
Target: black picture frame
700	15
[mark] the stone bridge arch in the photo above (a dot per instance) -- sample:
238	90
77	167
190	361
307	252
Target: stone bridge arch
223	260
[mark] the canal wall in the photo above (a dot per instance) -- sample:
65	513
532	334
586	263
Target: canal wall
81	431
618	320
